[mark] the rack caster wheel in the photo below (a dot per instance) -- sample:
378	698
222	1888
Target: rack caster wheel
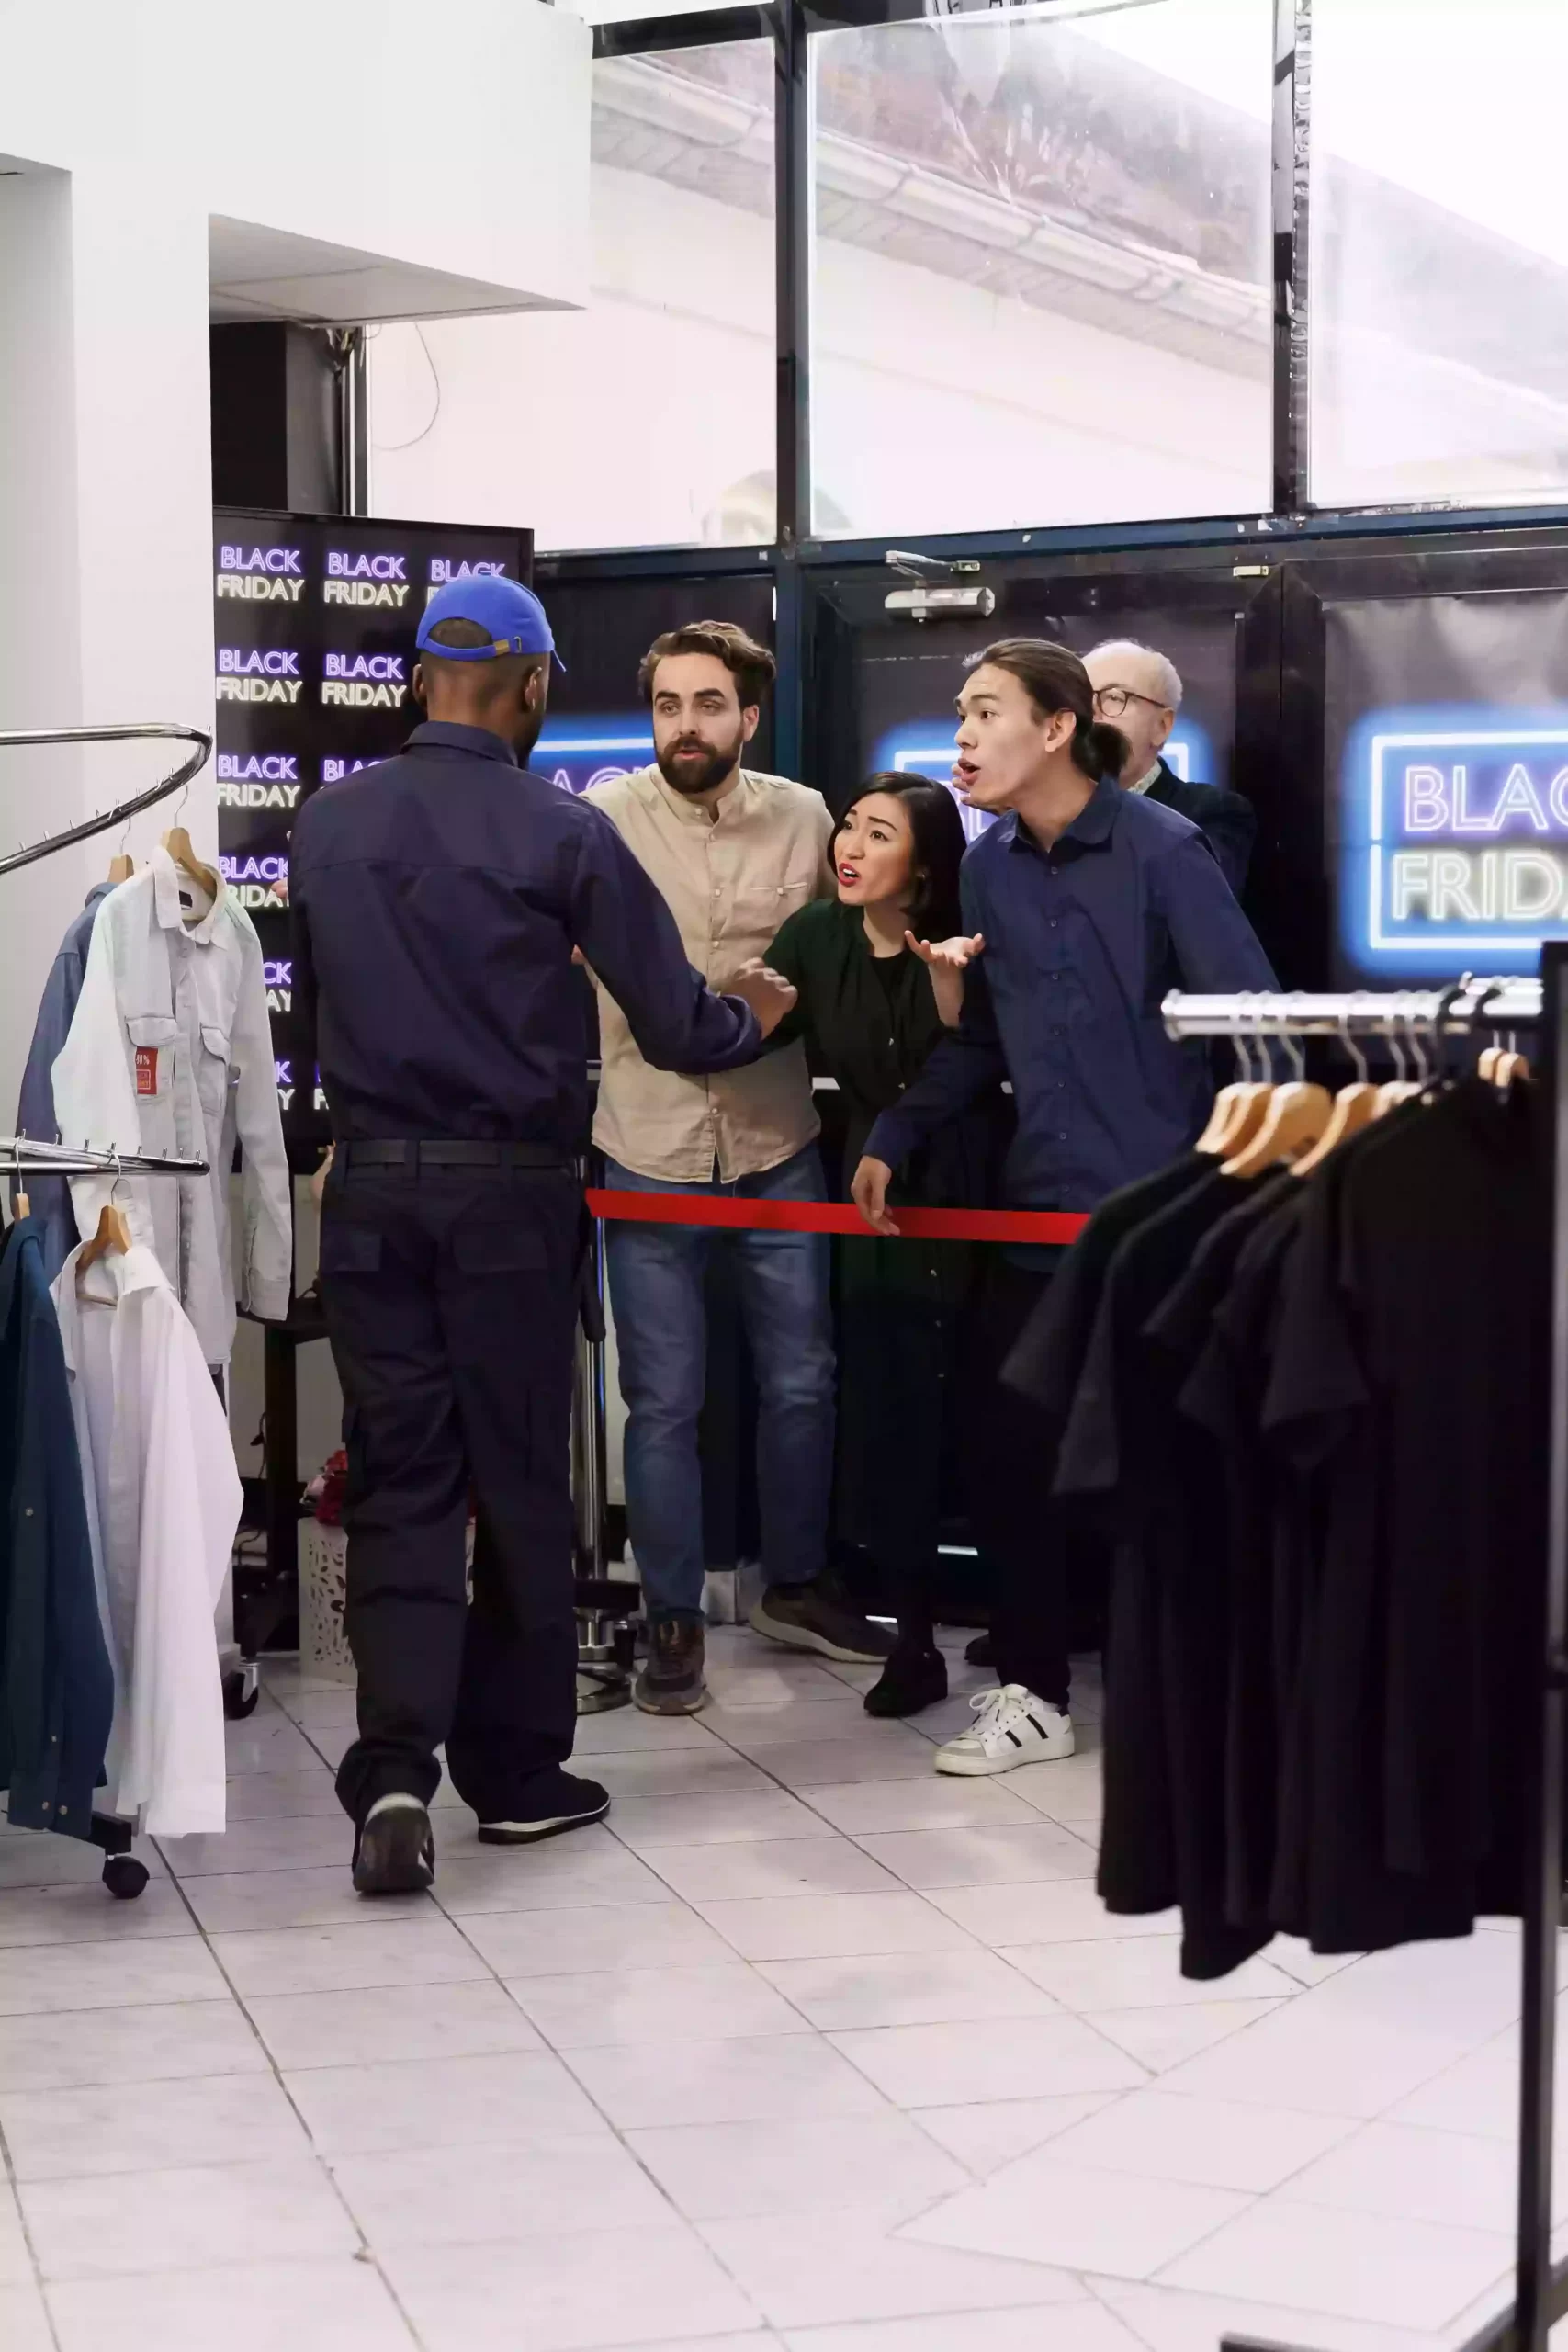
124	1876
241	1693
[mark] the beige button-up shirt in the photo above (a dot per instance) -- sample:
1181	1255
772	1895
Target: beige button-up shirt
730	879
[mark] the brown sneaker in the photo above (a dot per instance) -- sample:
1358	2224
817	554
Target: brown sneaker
821	1617
672	1682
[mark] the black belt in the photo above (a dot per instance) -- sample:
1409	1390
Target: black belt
459	1152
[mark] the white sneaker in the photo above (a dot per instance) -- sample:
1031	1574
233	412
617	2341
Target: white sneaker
1012	1727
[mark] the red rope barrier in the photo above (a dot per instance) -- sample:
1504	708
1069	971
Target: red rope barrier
833	1217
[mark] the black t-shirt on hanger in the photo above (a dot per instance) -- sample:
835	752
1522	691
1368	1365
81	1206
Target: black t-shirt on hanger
1166	1667
1411	1369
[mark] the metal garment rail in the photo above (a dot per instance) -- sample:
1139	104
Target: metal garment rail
145	732
21	1155
1541	2292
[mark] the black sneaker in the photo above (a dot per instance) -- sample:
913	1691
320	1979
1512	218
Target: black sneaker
912	1679
394	1852
819	1617
671	1682
552	1803
981	1651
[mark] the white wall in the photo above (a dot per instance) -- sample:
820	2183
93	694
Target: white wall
383	132
104	531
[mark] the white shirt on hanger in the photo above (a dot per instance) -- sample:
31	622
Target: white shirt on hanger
170	1052
162	1505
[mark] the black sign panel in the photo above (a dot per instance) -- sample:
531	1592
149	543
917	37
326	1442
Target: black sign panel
313	626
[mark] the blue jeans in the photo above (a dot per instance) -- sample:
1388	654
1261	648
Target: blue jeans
656	1292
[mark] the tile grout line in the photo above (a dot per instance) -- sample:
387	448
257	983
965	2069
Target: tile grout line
364	2252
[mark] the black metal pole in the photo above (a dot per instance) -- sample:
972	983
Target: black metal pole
791	246
1543	1901
1292	55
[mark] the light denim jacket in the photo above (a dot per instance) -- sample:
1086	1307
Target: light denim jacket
170	1052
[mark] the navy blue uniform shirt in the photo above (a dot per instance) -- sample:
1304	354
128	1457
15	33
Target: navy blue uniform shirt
1082	942
436	899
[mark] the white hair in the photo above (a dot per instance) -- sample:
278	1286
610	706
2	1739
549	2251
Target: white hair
1168	677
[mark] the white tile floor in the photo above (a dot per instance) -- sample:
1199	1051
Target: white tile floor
806	2048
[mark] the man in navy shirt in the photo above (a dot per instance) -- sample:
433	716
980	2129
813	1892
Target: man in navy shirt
1083	906
437	899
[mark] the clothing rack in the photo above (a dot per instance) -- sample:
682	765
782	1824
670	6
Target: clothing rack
146	731
124	1876
21	1156
1469	1008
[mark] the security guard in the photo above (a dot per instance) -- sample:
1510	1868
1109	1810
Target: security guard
437	899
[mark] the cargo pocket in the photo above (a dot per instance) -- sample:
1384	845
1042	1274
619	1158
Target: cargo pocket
212	1072
349	1249
153	1036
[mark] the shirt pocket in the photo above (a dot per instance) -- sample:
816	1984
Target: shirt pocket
153	1036
762	908
212	1067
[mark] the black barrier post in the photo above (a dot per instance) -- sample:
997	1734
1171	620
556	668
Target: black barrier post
792	248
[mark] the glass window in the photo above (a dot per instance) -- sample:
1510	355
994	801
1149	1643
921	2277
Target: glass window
1438	263
1040	279
647	418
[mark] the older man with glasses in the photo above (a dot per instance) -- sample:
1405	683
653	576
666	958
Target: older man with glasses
1139	691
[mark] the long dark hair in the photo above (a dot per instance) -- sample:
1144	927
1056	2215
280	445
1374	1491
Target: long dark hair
1054	679
937	831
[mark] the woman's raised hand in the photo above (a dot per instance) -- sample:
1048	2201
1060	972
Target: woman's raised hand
956	954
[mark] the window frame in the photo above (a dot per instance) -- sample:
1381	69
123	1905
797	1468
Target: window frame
797	560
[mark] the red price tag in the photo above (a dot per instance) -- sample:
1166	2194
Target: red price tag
147	1069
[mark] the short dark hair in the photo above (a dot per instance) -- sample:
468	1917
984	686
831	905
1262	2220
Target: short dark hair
1054	679
938	832
751	665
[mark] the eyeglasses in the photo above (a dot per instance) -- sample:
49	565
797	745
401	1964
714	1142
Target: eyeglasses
1111	701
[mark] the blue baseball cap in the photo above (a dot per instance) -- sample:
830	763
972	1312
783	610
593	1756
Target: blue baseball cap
510	615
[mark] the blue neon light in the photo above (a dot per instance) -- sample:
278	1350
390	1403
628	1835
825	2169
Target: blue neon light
926	747
575	757
1453	850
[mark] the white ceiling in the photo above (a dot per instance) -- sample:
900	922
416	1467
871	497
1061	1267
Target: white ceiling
257	273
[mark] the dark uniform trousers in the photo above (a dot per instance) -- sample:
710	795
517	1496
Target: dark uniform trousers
450	1294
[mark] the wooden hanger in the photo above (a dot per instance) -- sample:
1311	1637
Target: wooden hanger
1297	1117
121	868
113	1233
1354	1107
1293	1120
1507	1067
1238	1108
177	841
24	1206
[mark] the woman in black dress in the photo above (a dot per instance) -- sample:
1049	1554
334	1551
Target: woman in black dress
873	1002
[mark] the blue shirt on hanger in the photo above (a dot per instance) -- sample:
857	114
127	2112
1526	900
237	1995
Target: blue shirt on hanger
50	1196
57	1688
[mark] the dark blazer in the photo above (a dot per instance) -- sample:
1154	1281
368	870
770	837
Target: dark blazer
1229	821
